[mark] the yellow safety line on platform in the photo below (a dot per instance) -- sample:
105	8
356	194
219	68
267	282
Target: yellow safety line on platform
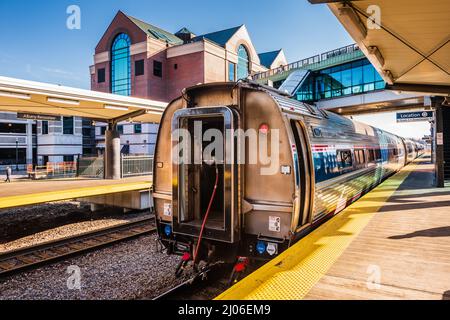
292	274
37	198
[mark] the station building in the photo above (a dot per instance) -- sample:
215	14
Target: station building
135	58
26	141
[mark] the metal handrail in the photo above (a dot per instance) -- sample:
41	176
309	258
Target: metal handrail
308	61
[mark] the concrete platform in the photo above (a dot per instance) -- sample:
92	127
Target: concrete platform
394	243
29	192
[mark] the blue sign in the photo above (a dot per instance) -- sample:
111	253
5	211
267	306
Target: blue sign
415	116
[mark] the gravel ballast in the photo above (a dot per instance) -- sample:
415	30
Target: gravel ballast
128	270
131	269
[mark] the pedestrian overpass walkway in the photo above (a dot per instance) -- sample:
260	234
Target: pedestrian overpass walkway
24	193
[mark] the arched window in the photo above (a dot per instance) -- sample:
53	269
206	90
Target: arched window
243	66
120	65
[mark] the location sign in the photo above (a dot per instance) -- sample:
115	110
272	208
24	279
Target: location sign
35	116
415	116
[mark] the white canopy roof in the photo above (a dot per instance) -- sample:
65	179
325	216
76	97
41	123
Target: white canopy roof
47	99
410	48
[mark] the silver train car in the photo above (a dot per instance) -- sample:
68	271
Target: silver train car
222	208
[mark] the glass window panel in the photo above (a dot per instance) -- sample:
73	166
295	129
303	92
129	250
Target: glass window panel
379	85
121	65
67	125
243	66
358	63
138	128
336	80
231	72
347	78
337	93
368	73
369	87
357	76
347	91
335	69
377	76
356	89
44	127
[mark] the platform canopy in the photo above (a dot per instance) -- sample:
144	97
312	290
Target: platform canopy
409	44
36	98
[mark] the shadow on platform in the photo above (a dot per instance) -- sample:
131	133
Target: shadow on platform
431	233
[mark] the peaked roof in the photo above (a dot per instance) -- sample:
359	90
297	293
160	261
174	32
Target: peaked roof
155	32
267	58
184	31
220	37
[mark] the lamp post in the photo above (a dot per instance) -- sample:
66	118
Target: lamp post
17	154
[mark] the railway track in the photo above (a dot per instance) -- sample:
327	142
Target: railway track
205	285
30	257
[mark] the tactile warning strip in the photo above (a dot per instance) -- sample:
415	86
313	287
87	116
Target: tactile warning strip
293	273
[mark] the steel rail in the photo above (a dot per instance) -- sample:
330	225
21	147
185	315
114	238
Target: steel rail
46	253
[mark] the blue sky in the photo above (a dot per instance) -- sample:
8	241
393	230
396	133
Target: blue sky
37	45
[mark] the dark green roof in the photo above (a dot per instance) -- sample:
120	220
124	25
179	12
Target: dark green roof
219	37
267	58
184	31
155	32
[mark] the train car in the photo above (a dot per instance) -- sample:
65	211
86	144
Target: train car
411	150
278	169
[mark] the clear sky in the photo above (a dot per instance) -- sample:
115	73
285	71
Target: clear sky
37	45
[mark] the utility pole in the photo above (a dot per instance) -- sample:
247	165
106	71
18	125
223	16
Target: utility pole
17	154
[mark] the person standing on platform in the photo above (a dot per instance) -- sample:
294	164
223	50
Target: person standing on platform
8	174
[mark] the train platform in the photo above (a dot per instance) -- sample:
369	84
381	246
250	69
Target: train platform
393	243
30	192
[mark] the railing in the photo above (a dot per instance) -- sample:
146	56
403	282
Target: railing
52	170
306	62
91	167
136	165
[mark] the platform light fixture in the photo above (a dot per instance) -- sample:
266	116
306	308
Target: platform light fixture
116	108
350	17
18	95
388	75
375	52
153	112
63	101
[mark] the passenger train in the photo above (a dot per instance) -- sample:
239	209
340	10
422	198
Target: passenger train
218	209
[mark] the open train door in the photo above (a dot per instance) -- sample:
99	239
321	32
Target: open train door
304	174
197	172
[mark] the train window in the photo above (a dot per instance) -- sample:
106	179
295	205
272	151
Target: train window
377	154
371	155
395	151
359	156
345	158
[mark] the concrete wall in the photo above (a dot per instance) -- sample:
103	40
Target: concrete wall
55	144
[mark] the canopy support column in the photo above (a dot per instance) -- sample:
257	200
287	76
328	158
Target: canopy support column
112	152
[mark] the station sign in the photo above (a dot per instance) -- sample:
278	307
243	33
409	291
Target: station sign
36	116
415	116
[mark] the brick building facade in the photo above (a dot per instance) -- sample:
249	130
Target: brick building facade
138	59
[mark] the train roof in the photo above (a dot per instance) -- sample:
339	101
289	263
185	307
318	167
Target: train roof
287	103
